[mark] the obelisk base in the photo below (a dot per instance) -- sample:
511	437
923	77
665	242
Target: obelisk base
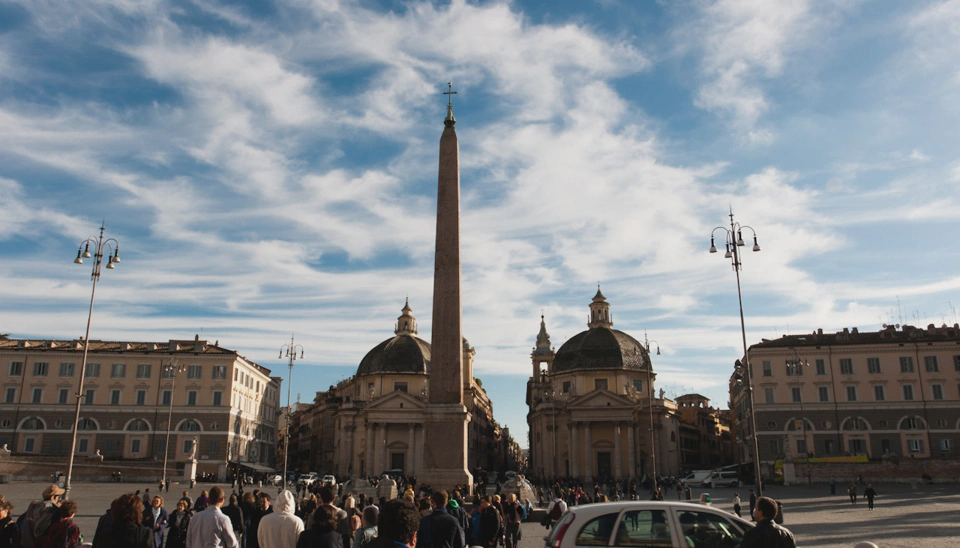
445	441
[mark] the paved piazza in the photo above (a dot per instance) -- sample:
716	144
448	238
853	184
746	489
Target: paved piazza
903	518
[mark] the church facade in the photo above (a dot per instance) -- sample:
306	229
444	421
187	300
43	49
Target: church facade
593	411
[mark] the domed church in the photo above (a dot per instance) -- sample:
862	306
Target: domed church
374	420
592	404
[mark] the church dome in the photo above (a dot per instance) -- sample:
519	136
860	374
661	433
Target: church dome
404	353
601	346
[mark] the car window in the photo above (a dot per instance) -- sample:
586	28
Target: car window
708	530
644	528
597	531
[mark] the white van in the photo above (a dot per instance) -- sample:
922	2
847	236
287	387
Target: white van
696	478
722	479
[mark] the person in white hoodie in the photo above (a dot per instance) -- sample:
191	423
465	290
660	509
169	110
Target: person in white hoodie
281	528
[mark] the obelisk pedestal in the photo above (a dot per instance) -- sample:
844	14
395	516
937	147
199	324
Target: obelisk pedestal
445	440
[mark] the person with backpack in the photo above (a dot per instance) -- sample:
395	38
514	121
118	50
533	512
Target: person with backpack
512	516
9	532
62	533
39	516
368	527
554	511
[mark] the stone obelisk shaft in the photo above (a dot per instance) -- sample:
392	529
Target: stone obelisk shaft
446	430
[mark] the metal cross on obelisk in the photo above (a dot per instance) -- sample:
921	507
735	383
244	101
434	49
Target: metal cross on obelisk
449	93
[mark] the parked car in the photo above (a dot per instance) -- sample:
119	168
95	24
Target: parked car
650	523
695	478
275	479
307	479
722	479
329	481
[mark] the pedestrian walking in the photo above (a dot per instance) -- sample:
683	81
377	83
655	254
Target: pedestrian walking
235	513
63	533
280	528
489	523
445	531
324	533
736	504
368	529
125	530
852	491
870	494
554	511
156	519
767	534
177	525
202	502
753	504
9	532
511	519
833	486
211	528
187	499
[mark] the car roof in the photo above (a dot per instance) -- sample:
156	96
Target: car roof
619	506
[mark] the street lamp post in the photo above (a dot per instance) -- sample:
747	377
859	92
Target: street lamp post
172	369
291	350
795	368
112	247
653	445
734	241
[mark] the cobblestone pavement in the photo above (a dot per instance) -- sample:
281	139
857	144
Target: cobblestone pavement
925	517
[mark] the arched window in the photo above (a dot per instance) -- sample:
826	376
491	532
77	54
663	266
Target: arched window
33	423
138	425
797	425
87	424
855	423
912	423
189	426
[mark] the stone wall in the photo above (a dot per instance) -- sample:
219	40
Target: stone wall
42	469
904	471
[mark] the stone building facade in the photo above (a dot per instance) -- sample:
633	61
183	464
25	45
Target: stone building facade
224	402
374	420
890	394
590	406
705	438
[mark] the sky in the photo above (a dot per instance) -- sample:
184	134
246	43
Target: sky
269	168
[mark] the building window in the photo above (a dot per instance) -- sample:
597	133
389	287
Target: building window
911	423
946	446
906	364
135	447
565	389
167	371
828	447
908	392
873	365
846	366
213	447
192	426
599	384
62	395
638	385
824	393
66	369
93	371
774	447
220	372
217	398
794	369
109	446
40	369
801	447
884	447
88	396
956	363
83	445
931	363
143	371
29	445
399	387
10	396
851	393
118	370
915	446
141	397
878	393
192	397
821	367
768	395
37	396
114	397
194	371
187	446
165	397
795	394
942	423
16	368
767	369
937	391
856	447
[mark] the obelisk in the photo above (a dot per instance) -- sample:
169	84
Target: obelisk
446	430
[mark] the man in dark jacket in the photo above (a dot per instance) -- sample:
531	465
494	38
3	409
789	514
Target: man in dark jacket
235	513
511	521
397	525
767	534
445	530
263	509
489	523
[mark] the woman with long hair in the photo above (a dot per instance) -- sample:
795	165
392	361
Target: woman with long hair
9	532
126	530
178	522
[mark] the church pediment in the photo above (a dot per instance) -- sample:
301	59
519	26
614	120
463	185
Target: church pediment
601	398
396	400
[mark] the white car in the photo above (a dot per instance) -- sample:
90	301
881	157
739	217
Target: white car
275	479
721	479
329	481
307	479
648	524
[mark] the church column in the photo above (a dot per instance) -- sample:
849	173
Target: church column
588	456
617	459
337	445
632	450
368	454
411	449
384	455
575	454
350	452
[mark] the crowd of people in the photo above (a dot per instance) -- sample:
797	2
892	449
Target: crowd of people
254	519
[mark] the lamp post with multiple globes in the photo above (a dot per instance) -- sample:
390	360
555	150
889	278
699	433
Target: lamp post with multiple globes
291	354
112	249
734	241
171	370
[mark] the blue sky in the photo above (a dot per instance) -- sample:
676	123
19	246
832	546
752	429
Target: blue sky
270	167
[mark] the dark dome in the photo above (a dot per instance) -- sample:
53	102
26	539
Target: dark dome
601	348
401	354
